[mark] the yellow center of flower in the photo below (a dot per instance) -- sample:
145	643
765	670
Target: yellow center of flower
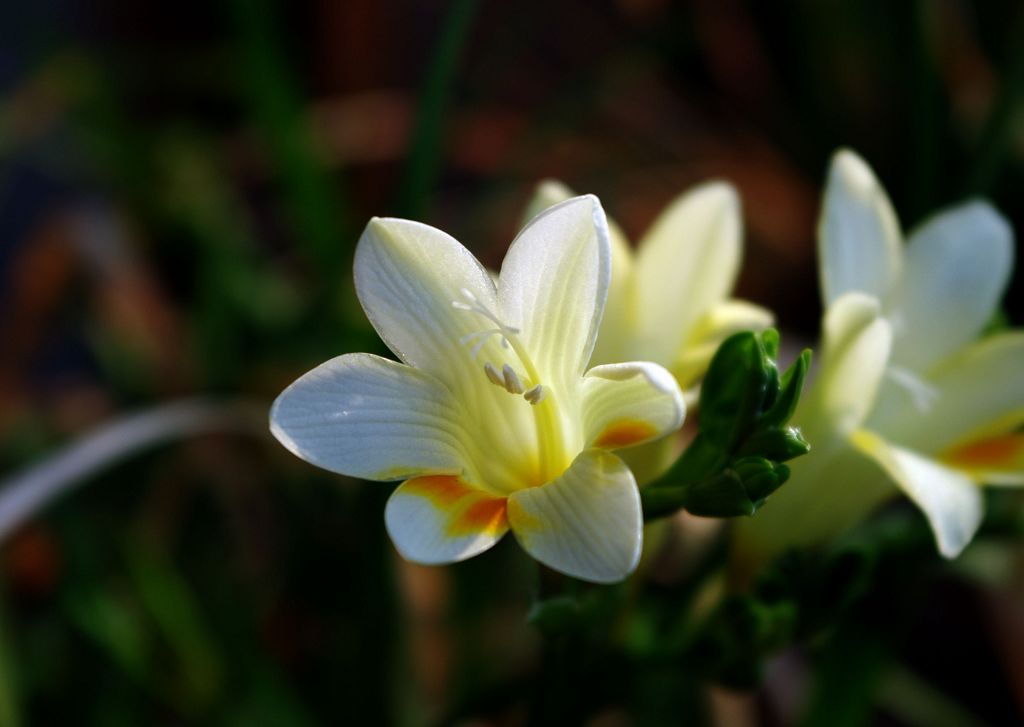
550	440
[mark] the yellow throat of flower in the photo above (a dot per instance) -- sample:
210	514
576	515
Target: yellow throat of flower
552	456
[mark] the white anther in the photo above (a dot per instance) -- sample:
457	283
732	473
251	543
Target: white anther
512	383
493	375
536	394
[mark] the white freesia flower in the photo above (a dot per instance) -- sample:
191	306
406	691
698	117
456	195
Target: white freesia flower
492	420
905	391
669	300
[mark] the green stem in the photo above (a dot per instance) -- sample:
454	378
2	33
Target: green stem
424	159
313	203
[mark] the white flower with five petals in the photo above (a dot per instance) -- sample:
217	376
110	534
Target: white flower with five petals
491	419
906	391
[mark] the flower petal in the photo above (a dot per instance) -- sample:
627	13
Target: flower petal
717	324
587	523
995	460
685	264
364	416
976	395
956	269
551	192
407	276
855	350
826	495
547	193
553	286
950	499
858	234
630	403
441	519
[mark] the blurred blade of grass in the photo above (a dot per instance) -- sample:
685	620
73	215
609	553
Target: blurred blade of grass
9	706
1003	121
316	206
112	619
24	494
170	603
425	151
107	617
237	294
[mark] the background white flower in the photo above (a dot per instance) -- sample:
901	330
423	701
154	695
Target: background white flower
905	391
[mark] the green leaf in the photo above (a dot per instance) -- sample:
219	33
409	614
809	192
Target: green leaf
780	445
733	389
720	496
735	462
789	395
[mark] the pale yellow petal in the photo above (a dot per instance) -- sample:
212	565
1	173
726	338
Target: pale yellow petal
955	272
408	275
587	523
992	460
859	238
552	288
975	395
432	302
722	321
685	265
855	350
365	416
441	519
949	499
630	403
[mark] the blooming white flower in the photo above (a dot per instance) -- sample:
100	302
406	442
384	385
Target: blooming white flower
492	420
669	300
904	388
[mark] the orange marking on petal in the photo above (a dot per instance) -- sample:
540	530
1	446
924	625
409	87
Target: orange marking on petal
487	515
468	510
1002	452
442	490
624	433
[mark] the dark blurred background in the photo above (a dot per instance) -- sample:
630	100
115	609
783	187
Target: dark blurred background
181	188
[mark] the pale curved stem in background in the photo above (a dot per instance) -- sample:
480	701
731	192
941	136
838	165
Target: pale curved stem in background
27	492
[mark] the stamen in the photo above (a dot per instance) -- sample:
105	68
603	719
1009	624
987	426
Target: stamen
493	375
481	339
922	394
512	383
536	394
475	306
551	446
